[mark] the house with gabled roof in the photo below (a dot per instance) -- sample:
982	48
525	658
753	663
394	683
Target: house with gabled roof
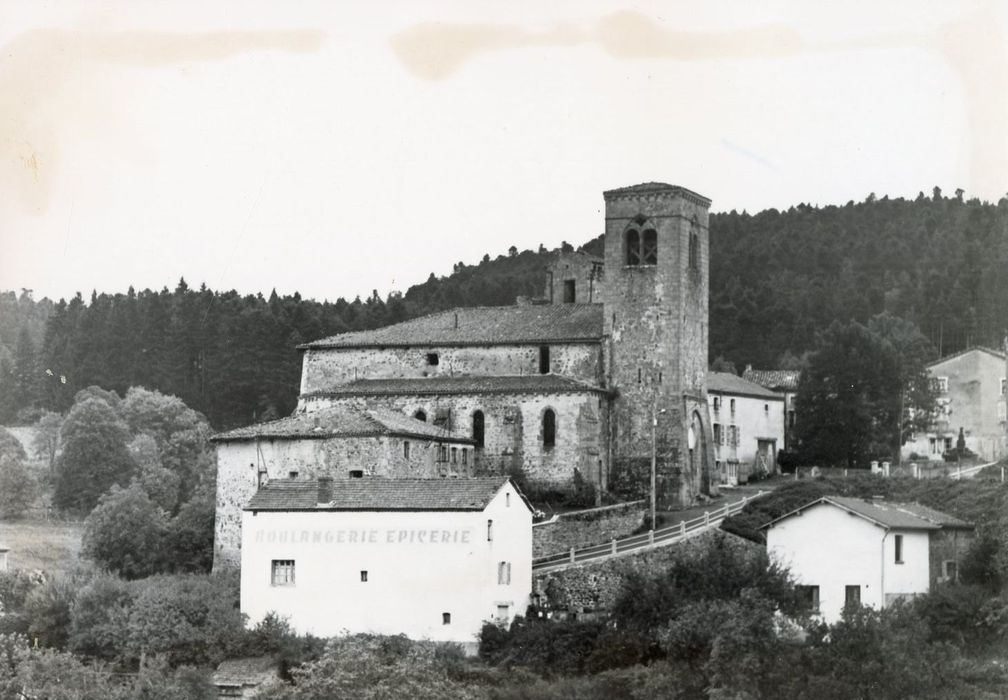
844	550
603	377
428	558
783	382
747	423
970	387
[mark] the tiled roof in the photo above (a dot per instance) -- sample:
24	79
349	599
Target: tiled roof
894	516
438	386
379	494
482	325
649	187
781	379
725	383
341	422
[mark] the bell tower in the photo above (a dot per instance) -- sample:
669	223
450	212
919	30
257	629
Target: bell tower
655	321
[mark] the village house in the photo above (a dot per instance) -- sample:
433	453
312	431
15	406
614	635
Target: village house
428	558
589	383
971	397
877	552
783	382
747	424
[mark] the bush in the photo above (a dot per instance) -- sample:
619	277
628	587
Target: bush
99	617
18	487
370	667
126	533
544	647
190	619
47	610
274	637
956	614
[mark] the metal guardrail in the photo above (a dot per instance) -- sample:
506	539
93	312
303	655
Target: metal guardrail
652	538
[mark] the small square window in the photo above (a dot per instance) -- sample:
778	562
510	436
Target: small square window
363	577
292	475
810	598
852	595
446	618
432	359
283	572
951	570
356	473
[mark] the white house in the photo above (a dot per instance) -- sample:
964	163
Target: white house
843	550
428	558
747	423
971	397
783	382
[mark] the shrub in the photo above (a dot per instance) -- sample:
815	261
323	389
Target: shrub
99	617
47	609
18	487
370	667
190	619
126	533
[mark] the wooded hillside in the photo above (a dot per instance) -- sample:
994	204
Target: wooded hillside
777	278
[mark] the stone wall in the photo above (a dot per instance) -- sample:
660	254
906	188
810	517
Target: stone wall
324	369
946	545
656	318
586	527
586	272
239	464
513	430
594	586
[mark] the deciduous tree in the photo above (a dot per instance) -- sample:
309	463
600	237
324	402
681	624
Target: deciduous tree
125	533
93	455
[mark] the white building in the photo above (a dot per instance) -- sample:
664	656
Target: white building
747	424
970	387
844	550
783	382
428	558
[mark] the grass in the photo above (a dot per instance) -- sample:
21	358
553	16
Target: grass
53	547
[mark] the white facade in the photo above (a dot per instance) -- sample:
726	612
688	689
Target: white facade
830	548
971	397
747	424
435	575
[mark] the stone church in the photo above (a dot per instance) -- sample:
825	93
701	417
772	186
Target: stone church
604	374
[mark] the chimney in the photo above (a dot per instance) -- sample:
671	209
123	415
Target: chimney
324	489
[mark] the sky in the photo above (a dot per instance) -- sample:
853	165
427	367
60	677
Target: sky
336	148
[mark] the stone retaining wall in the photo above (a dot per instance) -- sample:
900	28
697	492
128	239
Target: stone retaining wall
584	528
594	585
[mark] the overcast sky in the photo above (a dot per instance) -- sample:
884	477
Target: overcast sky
333	149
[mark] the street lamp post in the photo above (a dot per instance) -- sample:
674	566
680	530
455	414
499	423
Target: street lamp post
654	458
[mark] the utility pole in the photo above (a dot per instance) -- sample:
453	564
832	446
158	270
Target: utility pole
654	457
